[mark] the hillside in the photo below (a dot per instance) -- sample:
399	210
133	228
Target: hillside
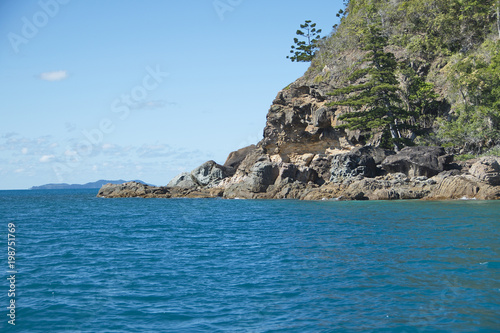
424	127
449	67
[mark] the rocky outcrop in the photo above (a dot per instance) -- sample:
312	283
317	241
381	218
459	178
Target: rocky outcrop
487	169
304	156
210	174
358	162
139	190
234	159
183	180
464	187
418	161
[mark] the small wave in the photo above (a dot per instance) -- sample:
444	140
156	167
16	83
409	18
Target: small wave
466	198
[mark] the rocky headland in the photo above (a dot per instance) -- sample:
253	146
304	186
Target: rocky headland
303	155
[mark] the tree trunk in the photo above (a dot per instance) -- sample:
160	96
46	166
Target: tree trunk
498	17
394	136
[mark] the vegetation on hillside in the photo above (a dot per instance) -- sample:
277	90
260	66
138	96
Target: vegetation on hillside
448	56
376	103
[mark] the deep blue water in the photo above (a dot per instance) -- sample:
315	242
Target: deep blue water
87	264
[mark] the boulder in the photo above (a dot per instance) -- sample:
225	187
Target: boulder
236	157
289	172
358	162
322	117
183	180
261	176
209	174
418	161
322	164
487	169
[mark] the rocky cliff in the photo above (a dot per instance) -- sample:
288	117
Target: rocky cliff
304	156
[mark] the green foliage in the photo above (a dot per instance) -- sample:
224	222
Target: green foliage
495	151
475	81
376	103
425	28
458	105
464	157
418	95
303	50
322	77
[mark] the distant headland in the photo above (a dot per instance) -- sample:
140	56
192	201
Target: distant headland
93	185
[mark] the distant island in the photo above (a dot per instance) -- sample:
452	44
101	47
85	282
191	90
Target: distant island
94	185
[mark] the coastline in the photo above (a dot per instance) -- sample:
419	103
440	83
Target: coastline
477	180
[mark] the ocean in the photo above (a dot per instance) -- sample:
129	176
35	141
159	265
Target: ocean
87	264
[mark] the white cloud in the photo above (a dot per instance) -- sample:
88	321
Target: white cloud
24	150
54	76
46	158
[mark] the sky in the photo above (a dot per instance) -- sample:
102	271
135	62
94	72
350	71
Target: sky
93	89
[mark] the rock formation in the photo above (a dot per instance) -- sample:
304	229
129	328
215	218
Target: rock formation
304	156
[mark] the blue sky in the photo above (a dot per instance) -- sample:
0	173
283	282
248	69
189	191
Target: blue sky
139	89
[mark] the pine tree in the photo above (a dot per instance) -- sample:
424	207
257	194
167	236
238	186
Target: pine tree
303	50
375	103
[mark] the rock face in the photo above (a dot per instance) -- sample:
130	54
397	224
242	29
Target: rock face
209	174
304	156
418	161
184	180
234	159
358	162
487	169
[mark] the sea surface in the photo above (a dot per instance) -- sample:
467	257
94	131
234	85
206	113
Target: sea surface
87	264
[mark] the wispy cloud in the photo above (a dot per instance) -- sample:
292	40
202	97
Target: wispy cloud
54	76
47	158
9	135
152	105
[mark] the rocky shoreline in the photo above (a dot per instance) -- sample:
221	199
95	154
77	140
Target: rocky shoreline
366	173
303	155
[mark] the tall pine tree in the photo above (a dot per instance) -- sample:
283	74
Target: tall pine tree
375	103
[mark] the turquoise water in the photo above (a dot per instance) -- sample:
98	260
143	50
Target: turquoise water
88	264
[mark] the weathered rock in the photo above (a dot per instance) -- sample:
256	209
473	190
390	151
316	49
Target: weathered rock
290	172
262	175
138	190
323	117
182	180
125	190
322	164
299	121
358	162
236	157
209	174
417	161
464	187
487	169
